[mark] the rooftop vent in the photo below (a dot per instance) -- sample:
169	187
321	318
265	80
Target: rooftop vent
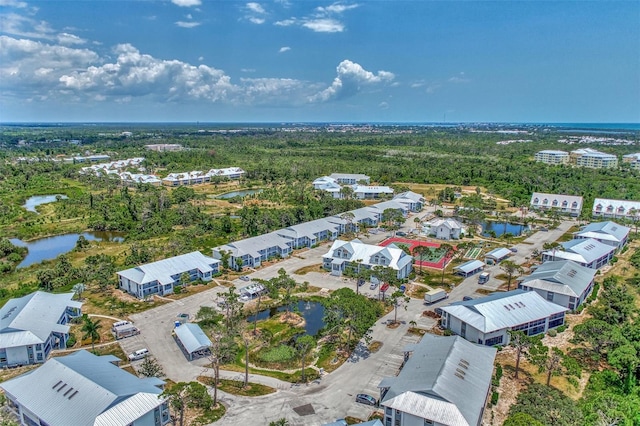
8	314
572	273
72	395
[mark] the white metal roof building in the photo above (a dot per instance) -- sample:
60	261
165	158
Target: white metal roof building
350	178
551	156
633	160
609	208
255	250
162	276
344	254
32	325
496	255
192	341
444	228
445	381
86	390
414	201
586	252
562	282
609	233
486	320
589	157
469	268
365	192
308	234
570	204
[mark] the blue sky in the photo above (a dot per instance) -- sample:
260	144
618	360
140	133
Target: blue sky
289	61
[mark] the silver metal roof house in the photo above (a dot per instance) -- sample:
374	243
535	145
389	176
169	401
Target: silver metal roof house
486	320
255	250
414	201
192	340
562	282
586	252
446	380
83	389
32	325
609	233
162	276
347	253
311	233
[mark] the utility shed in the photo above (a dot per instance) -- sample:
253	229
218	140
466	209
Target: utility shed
192	340
469	268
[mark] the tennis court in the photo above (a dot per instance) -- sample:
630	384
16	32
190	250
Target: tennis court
435	259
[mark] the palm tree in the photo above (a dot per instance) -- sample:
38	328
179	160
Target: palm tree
448	249
511	269
91	328
418	252
551	247
417	221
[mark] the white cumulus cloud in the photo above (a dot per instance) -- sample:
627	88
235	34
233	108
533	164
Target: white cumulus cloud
70	39
336	8
256	8
284	49
32	67
350	80
134	74
324	25
187	24
186	3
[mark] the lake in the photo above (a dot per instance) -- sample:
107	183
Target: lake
35	201
501	228
51	247
312	312
242	193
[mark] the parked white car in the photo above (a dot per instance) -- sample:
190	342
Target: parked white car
139	354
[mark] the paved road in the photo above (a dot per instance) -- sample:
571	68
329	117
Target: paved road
333	395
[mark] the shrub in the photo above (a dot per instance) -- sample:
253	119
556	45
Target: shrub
494	398
561	328
553	333
71	341
280	353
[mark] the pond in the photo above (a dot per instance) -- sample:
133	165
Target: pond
501	228
51	247
312	312
35	201
241	193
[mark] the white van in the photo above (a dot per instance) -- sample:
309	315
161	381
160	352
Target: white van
483	277
119	324
139	354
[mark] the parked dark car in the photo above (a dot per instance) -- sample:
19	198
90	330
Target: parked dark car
465	298
401	234
363	398
403	288
245	278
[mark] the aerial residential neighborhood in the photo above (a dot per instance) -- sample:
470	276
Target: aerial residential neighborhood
348	299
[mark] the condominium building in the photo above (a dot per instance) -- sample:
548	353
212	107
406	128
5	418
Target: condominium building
588	157
83	389
633	160
551	156
445	380
625	209
568	204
